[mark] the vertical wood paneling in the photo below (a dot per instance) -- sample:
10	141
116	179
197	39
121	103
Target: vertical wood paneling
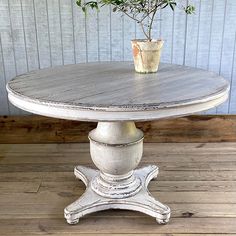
104	34
205	13
54	24
167	29
67	32
43	40
204	33
4	109
30	34
227	52
80	39
192	35
179	35
138	32
18	36
216	43
232	99
156	28
216	35
8	51
92	29
129	34
42	33
117	22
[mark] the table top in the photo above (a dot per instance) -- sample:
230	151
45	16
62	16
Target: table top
113	91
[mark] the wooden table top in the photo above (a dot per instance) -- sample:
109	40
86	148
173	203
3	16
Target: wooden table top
113	91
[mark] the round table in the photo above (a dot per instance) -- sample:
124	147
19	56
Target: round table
113	95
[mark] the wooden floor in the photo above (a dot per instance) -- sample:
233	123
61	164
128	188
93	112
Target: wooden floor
198	182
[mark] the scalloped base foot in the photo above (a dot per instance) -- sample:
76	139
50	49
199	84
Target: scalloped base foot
142	201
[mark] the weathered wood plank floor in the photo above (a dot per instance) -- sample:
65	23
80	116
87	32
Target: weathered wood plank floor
197	180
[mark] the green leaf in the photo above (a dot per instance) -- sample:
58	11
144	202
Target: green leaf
173	6
190	9
78	3
165	5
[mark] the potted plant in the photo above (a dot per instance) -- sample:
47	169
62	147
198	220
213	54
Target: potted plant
146	52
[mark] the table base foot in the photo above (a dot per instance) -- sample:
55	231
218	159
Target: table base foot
142	201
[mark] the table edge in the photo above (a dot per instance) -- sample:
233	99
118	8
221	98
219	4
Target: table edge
76	113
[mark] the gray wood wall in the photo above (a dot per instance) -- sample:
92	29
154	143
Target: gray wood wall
43	33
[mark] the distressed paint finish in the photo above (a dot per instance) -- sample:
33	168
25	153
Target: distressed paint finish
87	89
92	202
115	96
51	32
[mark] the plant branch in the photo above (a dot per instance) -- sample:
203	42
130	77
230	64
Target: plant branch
131	17
144	30
151	23
141	11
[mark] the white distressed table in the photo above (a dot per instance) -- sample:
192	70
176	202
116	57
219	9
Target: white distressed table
113	95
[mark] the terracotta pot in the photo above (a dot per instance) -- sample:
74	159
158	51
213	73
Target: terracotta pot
146	55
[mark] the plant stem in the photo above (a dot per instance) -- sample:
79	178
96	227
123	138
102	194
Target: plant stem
150	25
127	14
144	31
147	34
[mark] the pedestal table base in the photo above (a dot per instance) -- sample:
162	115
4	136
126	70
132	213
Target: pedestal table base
116	149
91	202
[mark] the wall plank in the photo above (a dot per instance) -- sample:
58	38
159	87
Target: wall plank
179	35
7	44
156	28
30	34
79	21
128	35
117	44
4	108
232	99
17	25
216	35
92	29
205	12
227	48
43	41
205	19
104	34
67	32
54	24
18	36
43	33
166	33
192	36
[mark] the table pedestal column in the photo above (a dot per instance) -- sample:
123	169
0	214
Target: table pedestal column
116	149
